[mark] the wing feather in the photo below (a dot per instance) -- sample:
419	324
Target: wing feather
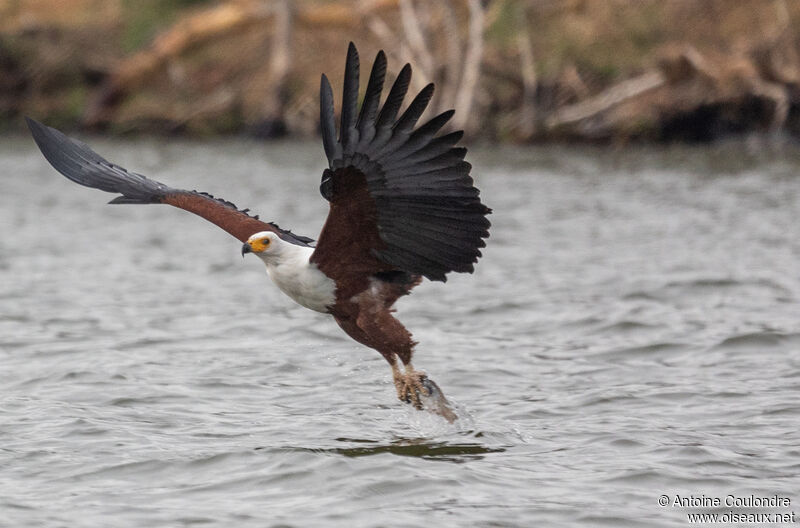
401	199
326	119
403	128
372	100
388	114
422	136
79	163
348	131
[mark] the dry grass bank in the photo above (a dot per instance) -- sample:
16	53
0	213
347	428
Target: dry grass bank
545	69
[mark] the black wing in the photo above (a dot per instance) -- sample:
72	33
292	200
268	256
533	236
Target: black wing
401	197
75	160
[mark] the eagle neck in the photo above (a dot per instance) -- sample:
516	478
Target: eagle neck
300	279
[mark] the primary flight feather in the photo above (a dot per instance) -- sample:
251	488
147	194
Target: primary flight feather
402	207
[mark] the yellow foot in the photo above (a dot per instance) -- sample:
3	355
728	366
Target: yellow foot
410	385
414	388
420	391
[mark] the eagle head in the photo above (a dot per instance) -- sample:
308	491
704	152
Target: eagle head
261	244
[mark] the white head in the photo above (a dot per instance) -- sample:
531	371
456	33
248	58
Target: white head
266	245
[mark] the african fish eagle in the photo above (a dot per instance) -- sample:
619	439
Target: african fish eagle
402	207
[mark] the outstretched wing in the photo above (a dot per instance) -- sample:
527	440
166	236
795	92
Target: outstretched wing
75	160
400	198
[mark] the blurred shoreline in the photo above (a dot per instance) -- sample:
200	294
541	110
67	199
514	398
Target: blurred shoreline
516	71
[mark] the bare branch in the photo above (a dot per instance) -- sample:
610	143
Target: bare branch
390	41
280	59
529	82
452	70
416	40
472	65
606	100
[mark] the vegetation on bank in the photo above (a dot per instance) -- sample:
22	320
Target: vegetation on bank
518	70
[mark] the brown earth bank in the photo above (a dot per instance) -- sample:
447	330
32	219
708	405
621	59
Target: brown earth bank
515	70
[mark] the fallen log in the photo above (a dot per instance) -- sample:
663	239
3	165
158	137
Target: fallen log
685	90
204	27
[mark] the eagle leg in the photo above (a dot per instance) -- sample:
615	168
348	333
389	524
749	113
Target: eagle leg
376	327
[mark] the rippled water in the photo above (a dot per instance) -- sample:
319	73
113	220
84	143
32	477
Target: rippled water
633	331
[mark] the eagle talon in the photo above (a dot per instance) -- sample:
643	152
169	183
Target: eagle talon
411	386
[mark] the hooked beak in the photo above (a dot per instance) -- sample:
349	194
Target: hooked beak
246	249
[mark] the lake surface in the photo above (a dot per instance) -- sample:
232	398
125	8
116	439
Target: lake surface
632	331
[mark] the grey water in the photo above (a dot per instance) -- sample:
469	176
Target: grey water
632	331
